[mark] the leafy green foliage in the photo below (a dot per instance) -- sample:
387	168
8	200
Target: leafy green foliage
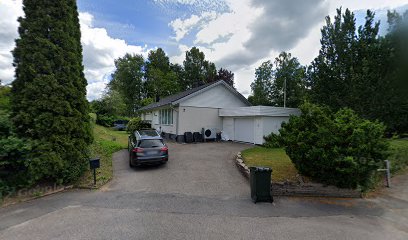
261	87
272	141
398	154
289	81
127	80
279	83
161	81
105	120
14	155
197	70
5	98
137	124
339	148
226	76
111	104
48	99
358	69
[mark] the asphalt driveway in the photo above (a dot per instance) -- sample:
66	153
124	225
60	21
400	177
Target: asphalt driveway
200	194
193	169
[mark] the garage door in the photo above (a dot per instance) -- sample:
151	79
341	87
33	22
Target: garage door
244	129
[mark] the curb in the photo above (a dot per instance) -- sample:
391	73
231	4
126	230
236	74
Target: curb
62	189
301	189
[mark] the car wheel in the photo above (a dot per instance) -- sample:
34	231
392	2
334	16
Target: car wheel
130	160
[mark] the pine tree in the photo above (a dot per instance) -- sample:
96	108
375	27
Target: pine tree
48	96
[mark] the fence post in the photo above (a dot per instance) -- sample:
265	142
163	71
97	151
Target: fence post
388	173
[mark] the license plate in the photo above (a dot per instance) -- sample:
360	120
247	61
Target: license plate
151	153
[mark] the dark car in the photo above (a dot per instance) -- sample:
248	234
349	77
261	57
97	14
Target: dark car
147	147
120	125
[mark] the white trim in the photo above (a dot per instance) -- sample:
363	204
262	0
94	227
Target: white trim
235	92
258	111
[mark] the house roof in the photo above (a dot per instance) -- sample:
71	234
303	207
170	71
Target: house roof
179	97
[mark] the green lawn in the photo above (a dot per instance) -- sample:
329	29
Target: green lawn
106	142
275	158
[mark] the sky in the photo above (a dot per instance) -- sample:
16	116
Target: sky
235	34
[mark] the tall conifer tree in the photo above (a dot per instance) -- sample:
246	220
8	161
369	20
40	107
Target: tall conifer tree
49	102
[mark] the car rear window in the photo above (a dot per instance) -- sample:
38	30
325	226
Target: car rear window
151	143
148	133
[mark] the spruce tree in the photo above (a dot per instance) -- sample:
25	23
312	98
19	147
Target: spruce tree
48	97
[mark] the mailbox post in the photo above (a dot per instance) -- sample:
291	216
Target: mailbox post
94	164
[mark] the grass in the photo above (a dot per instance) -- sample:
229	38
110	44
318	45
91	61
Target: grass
275	158
399	155
106	142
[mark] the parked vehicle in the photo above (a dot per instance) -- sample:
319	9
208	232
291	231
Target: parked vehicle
147	147
120	125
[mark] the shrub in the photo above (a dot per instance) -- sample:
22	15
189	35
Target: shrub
136	124
13	154
340	148
92	117
272	140
398	155
105	120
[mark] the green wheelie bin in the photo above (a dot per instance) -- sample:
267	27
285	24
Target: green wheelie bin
260	181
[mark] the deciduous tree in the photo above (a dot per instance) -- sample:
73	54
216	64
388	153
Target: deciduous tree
128	81
261	86
197	70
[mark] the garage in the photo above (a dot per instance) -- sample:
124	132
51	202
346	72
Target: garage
244	129
251	124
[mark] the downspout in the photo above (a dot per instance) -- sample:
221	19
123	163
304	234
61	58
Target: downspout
178	118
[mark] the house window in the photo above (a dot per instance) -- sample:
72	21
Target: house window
166	116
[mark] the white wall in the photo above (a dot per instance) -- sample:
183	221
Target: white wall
272	124
262	126
148	116
193	119
216	97
228	127
258	128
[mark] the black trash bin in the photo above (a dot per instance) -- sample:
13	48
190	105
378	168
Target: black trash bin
260	181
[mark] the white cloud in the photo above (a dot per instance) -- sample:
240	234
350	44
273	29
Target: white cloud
9	12
194	5
182	27
254	31
99	49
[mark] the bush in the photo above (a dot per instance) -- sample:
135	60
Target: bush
339	149
14	158
105	120
136	124
93	118
272	141
398	155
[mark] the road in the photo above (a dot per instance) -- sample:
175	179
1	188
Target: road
200	194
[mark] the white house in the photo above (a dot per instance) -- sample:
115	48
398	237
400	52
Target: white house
217	107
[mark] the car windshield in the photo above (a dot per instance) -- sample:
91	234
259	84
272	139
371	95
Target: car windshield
151	143
148	133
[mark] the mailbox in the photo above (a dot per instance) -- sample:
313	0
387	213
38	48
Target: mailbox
94	163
